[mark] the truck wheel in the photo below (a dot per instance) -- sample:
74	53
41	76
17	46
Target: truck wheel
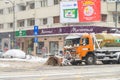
90	59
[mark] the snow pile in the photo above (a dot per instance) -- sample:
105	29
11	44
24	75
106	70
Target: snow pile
28	58
19	55
35	59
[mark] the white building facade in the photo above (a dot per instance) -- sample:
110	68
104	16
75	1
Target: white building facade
46	15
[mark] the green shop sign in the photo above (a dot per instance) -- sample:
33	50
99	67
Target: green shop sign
20	33
118	40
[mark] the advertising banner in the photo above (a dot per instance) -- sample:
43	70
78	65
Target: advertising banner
69	12
89	10
80	11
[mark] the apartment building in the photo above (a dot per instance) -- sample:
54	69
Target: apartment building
18	18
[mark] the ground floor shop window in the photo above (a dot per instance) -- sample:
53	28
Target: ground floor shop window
53	47
39	48
6	44
22	45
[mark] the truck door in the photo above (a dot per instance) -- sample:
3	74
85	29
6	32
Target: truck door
84	46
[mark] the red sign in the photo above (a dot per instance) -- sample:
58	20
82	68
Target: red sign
89	10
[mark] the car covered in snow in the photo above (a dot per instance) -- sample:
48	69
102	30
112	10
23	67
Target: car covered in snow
14	53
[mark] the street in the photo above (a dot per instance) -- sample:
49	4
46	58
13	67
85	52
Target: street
39	71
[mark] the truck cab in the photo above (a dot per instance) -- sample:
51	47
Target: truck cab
81	47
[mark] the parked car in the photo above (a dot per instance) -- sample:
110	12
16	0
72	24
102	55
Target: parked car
14	53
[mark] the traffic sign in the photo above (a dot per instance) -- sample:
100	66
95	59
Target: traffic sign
35	30
36	40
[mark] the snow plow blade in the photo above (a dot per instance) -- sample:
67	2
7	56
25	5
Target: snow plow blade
54	61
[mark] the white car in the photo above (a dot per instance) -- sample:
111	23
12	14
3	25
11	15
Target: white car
14	53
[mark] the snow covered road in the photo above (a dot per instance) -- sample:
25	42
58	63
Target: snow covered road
34	69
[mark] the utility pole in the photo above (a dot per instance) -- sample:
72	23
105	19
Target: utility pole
13	36
116	14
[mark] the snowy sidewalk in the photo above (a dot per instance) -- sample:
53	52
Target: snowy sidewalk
29	61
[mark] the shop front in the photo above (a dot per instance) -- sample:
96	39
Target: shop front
50	40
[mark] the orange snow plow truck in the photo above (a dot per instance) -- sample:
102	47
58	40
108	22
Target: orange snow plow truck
90	48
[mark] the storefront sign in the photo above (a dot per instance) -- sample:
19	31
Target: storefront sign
63	30
54	30
81	30
46	31
71	29
20	33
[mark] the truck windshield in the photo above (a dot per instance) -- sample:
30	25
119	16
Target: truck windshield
72	42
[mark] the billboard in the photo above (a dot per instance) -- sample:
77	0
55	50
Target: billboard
69	12
80	11
89	10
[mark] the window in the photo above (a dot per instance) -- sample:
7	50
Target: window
119	19
20	23
85	41
1	11
45	21
104	17
56	2
31	5
21	7
104	0
31	22
10	25
56	19
43	3
1	26
41	48
10	10
53	47
114	17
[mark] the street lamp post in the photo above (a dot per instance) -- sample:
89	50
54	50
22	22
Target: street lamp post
13	36
9	41
116	13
